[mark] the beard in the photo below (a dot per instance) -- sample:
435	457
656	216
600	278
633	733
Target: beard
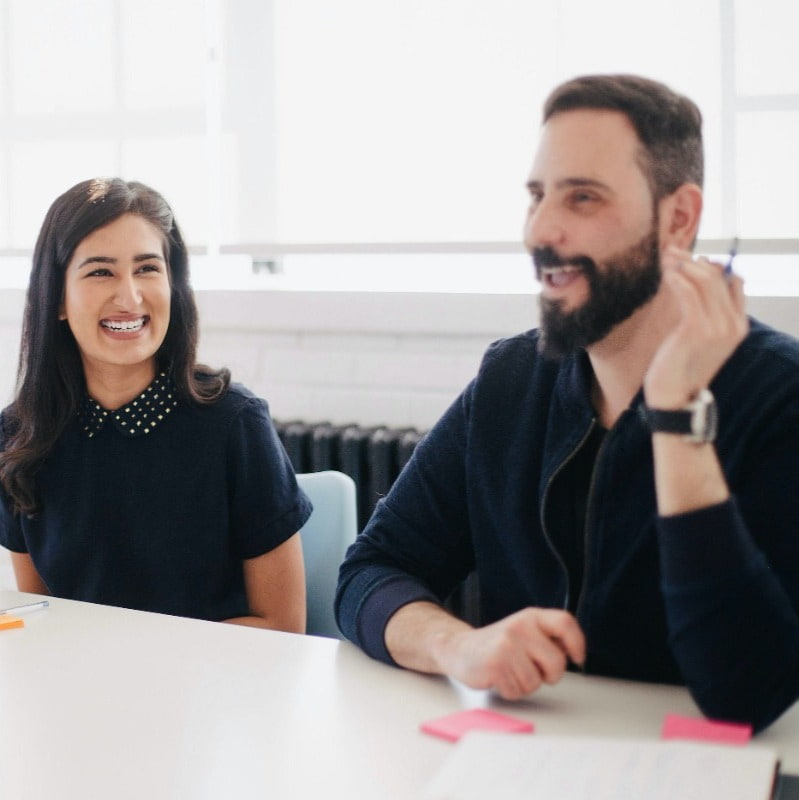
625	282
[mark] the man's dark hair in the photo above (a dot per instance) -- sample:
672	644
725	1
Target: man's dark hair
669	125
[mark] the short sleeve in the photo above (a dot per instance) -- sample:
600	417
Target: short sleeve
266	505
10	530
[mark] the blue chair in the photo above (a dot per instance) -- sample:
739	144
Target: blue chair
327	534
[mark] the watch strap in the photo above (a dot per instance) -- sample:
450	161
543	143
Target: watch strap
660	421
697	421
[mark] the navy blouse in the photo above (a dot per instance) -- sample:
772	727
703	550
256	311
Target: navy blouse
154	506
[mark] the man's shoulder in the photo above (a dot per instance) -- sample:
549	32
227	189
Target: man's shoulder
511	350
525	341
763	339
519	357
766	364
766	349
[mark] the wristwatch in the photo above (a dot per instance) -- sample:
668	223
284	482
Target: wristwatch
696	422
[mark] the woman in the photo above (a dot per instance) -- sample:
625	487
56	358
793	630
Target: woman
130	475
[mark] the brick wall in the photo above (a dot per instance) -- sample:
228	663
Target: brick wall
369	358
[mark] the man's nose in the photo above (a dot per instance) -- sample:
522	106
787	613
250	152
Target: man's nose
544	226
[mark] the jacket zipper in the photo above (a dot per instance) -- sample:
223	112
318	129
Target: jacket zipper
588	520
544	503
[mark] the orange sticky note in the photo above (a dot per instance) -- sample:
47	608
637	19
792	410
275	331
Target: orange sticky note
7	622
676	726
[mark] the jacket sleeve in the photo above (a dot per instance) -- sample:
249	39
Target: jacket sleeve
730	580
417	545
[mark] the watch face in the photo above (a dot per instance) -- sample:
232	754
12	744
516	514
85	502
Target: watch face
704	418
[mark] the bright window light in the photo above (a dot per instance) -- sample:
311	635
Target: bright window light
396	122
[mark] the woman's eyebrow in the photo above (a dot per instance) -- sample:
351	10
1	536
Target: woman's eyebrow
110	260
97	260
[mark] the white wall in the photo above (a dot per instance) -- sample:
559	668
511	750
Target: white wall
369	358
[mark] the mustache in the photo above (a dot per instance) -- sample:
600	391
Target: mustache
548	257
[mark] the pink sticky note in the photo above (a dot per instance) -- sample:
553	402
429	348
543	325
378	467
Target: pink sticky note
453	726
676	726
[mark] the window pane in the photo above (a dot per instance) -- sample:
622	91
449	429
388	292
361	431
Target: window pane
766	57
163	53
62	55
40	171
386	134
248	121
417	121
5	16
5	228
175	167
768	175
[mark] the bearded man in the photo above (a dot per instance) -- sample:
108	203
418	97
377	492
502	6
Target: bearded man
625	479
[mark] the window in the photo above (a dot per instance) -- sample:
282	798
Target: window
289	127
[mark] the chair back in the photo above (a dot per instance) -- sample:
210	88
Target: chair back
327	534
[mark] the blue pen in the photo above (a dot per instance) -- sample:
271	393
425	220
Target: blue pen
731	258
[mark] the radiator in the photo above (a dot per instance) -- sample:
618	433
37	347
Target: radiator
372	457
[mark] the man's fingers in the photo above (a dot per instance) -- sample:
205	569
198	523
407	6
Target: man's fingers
549	657
520	679
562	628
515	655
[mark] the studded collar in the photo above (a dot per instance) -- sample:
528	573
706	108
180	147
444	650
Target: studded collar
139	417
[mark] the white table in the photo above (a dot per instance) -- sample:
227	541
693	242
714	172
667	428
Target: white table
104	703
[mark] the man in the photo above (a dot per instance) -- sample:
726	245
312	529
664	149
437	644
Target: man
580	473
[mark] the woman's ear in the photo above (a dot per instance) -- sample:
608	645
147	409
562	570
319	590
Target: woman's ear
680	213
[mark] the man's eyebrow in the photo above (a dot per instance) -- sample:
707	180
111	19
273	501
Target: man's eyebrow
570	183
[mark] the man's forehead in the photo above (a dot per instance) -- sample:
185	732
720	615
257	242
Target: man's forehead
587	144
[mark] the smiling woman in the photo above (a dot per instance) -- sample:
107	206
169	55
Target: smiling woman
130	474
116	303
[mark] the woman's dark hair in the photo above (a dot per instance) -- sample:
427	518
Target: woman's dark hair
669	125
50	379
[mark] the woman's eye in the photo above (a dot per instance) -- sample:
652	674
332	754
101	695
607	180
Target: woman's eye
101	272
149	268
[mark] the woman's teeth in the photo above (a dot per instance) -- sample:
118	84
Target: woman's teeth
126	325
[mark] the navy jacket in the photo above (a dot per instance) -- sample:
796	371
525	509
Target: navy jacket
709	598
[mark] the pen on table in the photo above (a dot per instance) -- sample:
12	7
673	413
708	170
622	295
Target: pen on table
23	609
731	258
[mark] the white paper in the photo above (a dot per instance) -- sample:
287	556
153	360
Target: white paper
509	766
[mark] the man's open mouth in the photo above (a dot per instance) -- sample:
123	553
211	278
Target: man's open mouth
559	276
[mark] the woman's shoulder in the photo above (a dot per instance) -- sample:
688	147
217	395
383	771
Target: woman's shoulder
237	399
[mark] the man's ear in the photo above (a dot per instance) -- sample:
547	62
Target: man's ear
680	213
